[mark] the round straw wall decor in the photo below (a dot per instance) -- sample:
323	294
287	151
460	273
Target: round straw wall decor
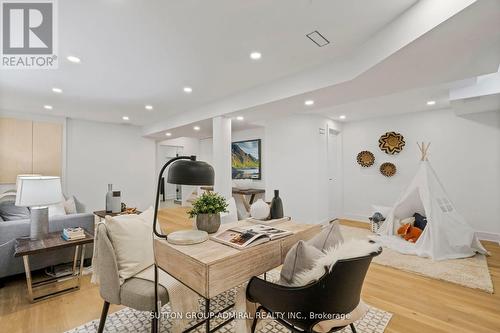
391	143
388	169
365	158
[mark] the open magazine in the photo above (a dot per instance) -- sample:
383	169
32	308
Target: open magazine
248	236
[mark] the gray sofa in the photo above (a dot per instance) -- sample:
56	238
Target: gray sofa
10	230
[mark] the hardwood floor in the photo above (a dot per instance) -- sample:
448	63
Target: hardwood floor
419	304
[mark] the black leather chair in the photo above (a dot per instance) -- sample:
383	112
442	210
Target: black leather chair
335	294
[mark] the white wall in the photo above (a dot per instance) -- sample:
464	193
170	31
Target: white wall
465	152
296	164
102	153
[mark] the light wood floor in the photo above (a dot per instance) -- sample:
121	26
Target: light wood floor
418	304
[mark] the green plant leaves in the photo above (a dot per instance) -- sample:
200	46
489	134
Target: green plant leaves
208	203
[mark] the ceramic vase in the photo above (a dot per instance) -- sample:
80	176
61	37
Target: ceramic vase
276	206
109	199
259	210
208	222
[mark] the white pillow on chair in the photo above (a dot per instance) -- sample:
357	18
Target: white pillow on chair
132	239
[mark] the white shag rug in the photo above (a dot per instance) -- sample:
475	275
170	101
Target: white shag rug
129	320
470	272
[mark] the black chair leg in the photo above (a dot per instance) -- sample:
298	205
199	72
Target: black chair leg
154	324
353	329
255	319
104	314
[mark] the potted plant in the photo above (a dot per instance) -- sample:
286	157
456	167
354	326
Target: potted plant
207	209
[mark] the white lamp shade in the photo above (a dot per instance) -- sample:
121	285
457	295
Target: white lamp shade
26	175
38	191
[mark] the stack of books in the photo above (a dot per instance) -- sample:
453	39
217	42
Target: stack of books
73	233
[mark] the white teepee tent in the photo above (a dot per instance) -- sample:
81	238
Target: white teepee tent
447	234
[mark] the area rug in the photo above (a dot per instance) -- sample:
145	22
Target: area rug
470	272
129	320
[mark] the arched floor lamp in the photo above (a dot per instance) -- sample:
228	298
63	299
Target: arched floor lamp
184	170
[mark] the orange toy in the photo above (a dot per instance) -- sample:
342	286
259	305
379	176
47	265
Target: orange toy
409	232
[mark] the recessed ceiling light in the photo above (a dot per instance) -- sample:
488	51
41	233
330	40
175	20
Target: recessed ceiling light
196	128
255	55
125	118
309	102
240	118
168	134
188	90
342	117
74	59
48	107
431	102
57	90
148	107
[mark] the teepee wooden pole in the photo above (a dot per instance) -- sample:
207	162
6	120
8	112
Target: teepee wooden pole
423	150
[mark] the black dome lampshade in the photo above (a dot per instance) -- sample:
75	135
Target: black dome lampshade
191	172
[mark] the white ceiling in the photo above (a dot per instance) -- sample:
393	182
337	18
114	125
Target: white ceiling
205	130
143	52
451	55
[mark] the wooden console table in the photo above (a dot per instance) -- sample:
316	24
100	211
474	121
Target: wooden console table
211	268
101	214
252	192
37	291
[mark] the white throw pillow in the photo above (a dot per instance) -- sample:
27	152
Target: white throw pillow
57	209
70	206
300	257
132	239
329	236
353	248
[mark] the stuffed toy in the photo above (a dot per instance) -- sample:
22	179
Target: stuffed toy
409	232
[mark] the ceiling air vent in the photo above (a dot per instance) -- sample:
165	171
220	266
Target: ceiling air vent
318	38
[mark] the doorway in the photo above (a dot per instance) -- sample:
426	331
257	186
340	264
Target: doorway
170	194
334	181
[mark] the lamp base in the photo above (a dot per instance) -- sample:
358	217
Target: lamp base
39	226
187	237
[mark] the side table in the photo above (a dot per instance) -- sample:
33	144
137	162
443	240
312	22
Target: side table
53	286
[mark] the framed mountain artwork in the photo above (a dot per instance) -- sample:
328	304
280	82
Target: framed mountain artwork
246	159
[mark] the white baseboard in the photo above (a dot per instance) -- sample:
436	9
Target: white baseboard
488	236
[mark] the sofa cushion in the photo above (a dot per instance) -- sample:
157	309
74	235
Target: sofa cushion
10	212
299	258
132	239
57	210
70	205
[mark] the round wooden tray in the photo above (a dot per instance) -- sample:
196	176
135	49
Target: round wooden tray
365	158
388	169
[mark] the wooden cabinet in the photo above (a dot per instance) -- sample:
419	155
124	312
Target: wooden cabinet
29	147
47	148
16	147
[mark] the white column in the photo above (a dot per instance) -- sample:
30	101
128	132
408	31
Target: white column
222	155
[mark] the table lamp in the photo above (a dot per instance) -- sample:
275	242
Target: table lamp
185	170
37	193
